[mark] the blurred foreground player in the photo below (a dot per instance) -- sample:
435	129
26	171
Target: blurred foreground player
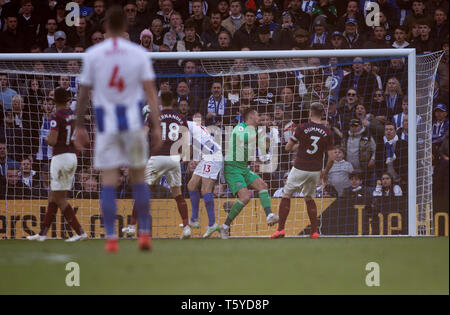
62	168
311	140
118	72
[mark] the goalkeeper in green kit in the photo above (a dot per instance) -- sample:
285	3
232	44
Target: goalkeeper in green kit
238	176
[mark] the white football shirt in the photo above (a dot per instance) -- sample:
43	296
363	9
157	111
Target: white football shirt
204	142
115	69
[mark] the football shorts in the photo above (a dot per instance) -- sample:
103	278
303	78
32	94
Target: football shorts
62	171
302	181
208	169
163	165
125	149
238	178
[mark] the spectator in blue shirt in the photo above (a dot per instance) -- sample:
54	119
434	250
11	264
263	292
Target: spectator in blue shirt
5	161
6	94
440	127
84	10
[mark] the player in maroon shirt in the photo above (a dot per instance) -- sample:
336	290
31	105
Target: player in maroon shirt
171	123
311	140
165	160
62	168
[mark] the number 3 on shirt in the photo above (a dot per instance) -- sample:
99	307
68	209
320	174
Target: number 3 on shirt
116	81
314	145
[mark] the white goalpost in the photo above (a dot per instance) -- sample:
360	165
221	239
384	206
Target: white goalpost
281	85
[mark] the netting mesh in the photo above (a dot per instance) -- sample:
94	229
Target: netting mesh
368	90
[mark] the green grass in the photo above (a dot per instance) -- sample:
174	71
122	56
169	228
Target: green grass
235	266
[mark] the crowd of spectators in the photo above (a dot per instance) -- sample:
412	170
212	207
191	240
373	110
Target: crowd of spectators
365	100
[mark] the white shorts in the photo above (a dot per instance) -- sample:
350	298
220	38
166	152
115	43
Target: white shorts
163	165
126	149
208	169
62	171
302	181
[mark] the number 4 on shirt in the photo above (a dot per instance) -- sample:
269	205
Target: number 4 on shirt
116	81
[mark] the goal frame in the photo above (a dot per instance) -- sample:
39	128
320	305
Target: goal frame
409	53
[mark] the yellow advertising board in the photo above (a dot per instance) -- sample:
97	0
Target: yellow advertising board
20	218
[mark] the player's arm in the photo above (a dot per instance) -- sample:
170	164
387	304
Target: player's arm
293	142
291	146
152	100
81	135
186	147
52	138
329	165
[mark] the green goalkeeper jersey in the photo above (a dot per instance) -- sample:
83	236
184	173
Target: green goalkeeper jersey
242	145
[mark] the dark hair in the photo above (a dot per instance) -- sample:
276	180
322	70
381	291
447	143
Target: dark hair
167	99
215	11
23	2
250	10
214	82
354	174
61	96
389	123
25	158
189	24
115	18
182	81
402	28
35	46
424	21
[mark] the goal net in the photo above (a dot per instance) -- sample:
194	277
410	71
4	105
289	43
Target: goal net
381	185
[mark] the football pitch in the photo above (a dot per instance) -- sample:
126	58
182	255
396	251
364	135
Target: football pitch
234	266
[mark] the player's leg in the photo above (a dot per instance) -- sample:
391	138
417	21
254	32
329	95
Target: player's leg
173	176
59	198
312	214
62	172
294	182
109	155
150	179
137	151
256	183
182	210
309	191
243	195
236	181
141	208
181	204
243	199
130	230
109	179
194	195
52	207
50	216
283	212
208	198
